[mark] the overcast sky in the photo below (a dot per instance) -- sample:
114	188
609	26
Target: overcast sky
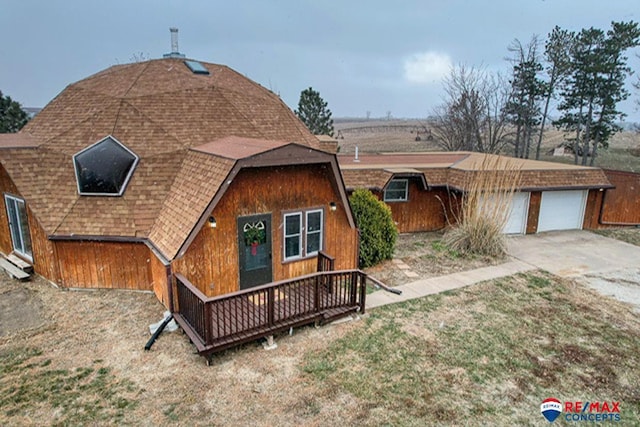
377	56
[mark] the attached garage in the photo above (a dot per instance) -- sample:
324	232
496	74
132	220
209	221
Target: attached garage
562	210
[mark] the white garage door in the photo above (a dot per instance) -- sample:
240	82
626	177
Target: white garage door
517	221
561	210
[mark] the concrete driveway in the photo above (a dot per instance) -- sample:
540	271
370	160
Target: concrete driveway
608	265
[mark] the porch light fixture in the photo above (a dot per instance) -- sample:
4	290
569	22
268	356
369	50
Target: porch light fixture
212	222
332	206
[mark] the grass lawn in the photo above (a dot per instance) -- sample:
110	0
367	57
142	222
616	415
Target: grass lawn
486	355
629	235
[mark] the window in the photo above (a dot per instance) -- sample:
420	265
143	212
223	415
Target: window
18	226
303	234
397	191
292	235
104	168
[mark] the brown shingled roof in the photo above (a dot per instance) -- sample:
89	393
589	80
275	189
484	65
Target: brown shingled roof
158	109
454	169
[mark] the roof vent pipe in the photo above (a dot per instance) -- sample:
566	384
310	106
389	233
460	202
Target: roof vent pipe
175	53
356	159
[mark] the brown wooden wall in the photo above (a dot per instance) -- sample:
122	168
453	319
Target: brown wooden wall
535	200
6	187
621	205
159	278
85	264
211	261
423	211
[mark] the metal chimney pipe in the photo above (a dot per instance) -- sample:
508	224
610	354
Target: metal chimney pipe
356	158
174	40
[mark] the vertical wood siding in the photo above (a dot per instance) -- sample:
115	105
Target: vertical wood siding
6	186
423	211
211	261
104	265
158	272
534	212
621	205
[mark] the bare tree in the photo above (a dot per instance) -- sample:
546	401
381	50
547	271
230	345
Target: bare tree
472	116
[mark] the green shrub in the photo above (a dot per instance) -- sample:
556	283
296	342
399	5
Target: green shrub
378	232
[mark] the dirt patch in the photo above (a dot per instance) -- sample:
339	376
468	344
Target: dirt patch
20	309
426	256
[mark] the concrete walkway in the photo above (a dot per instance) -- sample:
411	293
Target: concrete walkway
566	253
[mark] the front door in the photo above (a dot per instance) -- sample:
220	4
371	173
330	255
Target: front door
254	247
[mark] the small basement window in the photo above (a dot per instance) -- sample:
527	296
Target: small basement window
104	168
397	191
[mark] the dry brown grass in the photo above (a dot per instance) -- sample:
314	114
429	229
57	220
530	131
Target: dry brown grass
485	208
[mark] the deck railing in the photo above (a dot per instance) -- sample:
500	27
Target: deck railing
326	262
217	323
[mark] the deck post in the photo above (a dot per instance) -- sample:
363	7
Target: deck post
207	324
363	291
271	303
354	288
316	293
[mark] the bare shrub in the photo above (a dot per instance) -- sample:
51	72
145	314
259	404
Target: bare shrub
485	207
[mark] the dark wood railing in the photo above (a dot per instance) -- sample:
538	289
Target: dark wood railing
326	262
217	323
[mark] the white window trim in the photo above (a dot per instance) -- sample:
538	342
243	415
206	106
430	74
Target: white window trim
406	191
126	179
300	245
321	231
15	201
302	249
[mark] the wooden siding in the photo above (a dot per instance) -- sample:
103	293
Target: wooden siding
621	205
211	261
6	187
423	211
592	210
159	278
534	212
117	265
44	257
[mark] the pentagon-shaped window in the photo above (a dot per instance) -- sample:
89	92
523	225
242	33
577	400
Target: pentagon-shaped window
104	168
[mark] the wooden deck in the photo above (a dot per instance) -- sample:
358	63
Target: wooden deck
215	324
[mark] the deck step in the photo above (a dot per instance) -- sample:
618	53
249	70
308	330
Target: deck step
20	263
14	271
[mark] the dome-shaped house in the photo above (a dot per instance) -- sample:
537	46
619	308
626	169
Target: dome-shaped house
170	167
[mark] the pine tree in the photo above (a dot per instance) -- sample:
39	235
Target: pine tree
313	112
12	116
594	87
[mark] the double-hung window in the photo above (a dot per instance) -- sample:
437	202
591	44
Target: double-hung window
303	234
397	191
18	225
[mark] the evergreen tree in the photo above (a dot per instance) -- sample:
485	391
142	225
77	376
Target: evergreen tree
527	89
594	87
12	116
313	112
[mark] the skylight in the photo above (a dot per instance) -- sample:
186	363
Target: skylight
104	168
196	67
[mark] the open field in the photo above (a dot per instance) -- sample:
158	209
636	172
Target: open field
484	355
399	136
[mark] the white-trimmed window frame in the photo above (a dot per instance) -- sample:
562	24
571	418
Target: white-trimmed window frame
404	198
22	234
125	183
302	234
